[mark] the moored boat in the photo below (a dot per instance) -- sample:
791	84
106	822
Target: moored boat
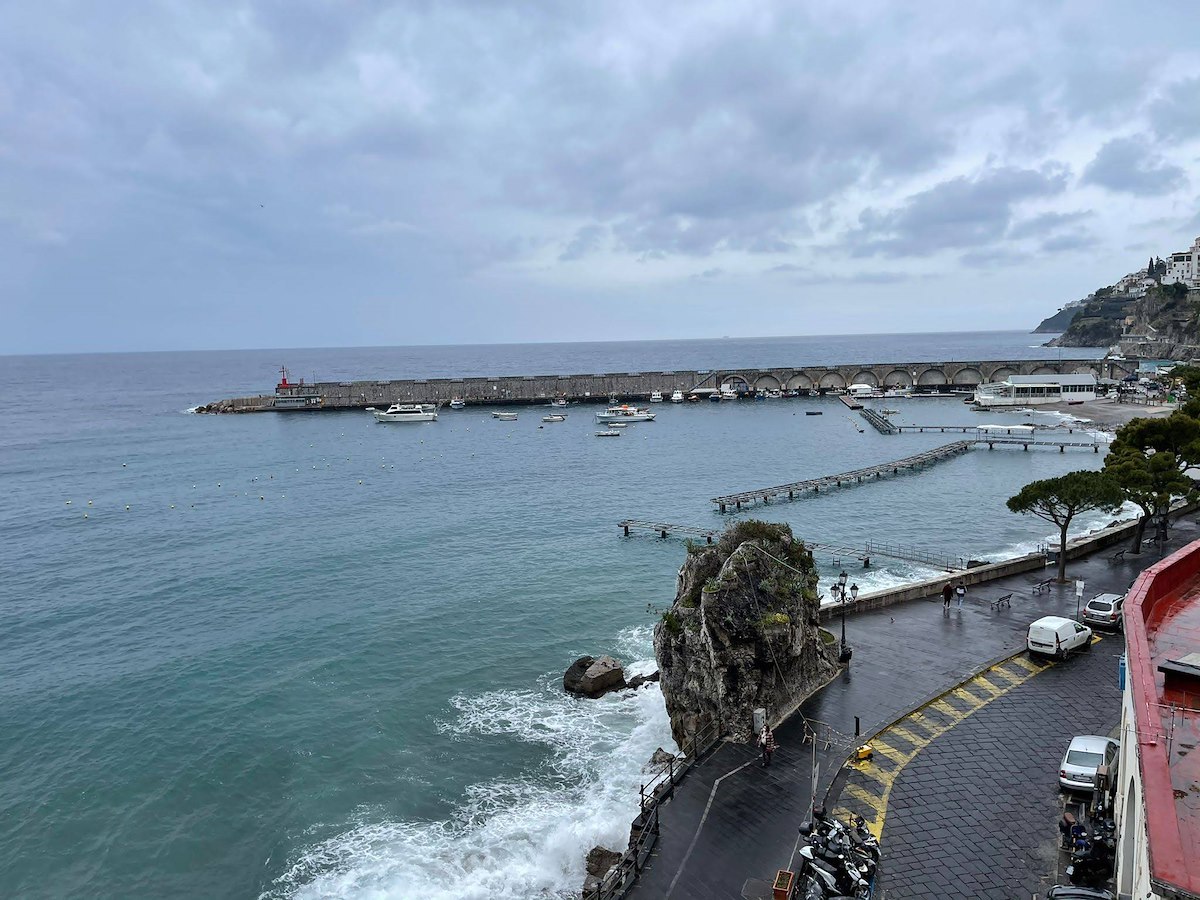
656	397
727	393
608	434
677	397
505	416
625	413
559	402
458	403
407	412
554	417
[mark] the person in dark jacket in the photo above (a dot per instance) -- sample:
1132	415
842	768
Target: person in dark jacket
947	593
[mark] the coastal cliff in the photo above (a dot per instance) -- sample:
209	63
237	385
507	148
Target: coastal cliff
1167	318
742	633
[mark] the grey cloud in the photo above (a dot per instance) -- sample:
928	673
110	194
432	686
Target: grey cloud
1068	243
1046	223
959	213
994	257
1130	165
587	240
1175	115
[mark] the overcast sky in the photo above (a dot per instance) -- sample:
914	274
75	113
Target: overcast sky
302	173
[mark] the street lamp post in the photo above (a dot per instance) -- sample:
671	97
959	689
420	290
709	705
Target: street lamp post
845	652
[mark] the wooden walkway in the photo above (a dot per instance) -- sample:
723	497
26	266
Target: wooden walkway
666	529
856	476
1025	443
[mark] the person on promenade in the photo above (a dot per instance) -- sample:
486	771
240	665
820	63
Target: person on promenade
961	592
947	593
766	740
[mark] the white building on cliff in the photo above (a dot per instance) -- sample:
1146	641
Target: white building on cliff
1184	267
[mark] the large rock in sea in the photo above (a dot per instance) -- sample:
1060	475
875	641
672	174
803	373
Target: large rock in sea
594	677
743	633
599	861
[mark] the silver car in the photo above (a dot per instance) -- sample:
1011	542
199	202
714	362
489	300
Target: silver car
1104	611
1087	752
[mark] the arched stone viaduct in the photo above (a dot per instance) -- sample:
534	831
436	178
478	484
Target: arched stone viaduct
930	376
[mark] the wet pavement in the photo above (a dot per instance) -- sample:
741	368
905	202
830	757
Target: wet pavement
732	823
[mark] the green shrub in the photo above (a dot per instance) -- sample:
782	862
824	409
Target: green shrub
671	621
772	620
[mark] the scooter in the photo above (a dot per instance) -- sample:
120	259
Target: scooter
862	837
839	880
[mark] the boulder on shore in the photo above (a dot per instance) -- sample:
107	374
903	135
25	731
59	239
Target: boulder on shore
638	680
599	861
594	677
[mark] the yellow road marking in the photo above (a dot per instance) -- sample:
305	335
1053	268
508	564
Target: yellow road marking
876	798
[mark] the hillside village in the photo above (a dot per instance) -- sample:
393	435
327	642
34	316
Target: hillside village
1153	312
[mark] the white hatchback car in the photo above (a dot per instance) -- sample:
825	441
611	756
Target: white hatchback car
1056	636
1087	752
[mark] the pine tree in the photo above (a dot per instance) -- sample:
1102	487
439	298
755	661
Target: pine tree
1150	268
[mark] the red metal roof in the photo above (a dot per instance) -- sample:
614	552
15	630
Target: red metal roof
1162	623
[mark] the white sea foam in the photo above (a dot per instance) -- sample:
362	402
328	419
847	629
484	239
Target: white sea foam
510	839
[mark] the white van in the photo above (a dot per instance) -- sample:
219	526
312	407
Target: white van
1056	636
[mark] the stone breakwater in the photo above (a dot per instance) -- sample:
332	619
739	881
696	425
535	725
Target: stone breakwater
924	377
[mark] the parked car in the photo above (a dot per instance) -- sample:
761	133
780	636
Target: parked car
1086	753
1056	636
1078	892
1104	611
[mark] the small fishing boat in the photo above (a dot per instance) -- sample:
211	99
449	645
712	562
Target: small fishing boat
677	397
813	412
618	424
656	397
559	402
728	393
458	403
554	417
715	397
775	395
626	413
407	412
505	416
608	434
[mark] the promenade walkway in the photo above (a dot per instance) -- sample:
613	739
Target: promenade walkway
732	824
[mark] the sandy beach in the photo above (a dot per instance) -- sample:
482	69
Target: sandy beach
1108	415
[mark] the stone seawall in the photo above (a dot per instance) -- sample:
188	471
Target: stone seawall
516	389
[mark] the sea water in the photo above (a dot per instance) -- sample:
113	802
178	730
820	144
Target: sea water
308	655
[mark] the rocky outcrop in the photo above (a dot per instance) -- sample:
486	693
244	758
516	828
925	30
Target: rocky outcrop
742	633
638	680
599	861
594	677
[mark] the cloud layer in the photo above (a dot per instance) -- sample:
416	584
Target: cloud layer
179	175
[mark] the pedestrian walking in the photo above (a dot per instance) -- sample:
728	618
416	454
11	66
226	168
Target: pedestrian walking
766	740
947	593
961	593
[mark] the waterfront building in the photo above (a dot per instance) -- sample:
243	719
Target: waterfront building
1184	267
1027	390
1158	820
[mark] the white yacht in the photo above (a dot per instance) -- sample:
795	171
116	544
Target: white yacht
625	413
728	393
458	403
554	417
656	397
407	412
505	416
677	397
559	402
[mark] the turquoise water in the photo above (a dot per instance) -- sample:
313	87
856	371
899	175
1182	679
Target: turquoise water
317	656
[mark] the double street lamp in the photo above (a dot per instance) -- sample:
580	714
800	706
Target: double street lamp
846	652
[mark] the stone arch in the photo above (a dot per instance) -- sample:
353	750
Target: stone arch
897	378
931	377
832	380
767	383
1001	373
799	382
968	375
1044	370
1086	370
866	376
737	382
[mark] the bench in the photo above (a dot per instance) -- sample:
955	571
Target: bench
1043	585
1003	599
1117	557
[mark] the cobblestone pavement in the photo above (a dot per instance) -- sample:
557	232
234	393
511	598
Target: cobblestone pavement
965	793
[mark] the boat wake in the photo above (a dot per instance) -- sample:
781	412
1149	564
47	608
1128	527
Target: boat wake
512	839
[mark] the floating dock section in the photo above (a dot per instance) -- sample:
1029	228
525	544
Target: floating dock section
857	476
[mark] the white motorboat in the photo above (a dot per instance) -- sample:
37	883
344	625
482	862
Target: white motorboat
656	397
618	424
728	393
559	402
677	397
407	412
775	395
608	434
505	416
625	413
554	417
458	403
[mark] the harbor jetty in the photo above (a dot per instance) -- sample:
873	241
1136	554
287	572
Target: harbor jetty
921	377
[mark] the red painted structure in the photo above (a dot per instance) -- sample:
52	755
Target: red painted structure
1162	622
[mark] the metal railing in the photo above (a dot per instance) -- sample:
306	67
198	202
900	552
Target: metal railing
645	830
